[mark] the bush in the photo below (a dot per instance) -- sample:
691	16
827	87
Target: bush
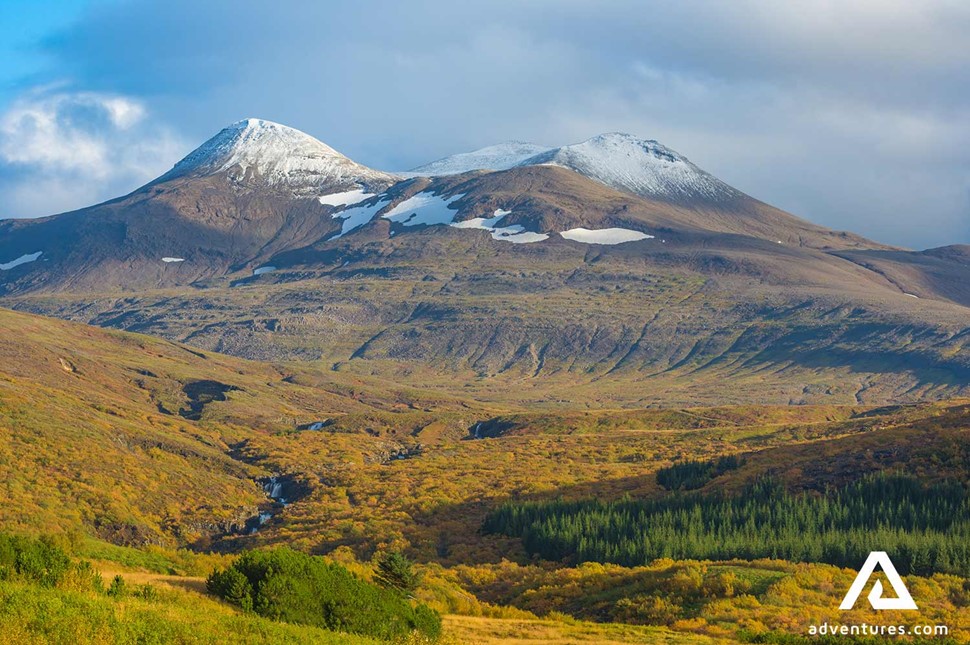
33	560
286	585
118	588
147	593
232	586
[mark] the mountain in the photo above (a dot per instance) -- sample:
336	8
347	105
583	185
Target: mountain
255	188
687	195
611	272
643	167
498	157
258	190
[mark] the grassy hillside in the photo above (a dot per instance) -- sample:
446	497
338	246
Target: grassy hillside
142	441
32	614
46	596
767	601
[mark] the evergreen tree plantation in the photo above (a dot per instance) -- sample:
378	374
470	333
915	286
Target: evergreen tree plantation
925	527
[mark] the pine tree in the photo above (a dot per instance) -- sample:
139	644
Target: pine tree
395	571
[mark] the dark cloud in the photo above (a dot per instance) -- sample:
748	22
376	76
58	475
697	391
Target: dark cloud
853	114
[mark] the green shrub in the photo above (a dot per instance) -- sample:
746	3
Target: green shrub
118	588
32	560
232	586
289	586
147	593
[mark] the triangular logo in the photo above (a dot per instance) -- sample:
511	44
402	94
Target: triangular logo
902	600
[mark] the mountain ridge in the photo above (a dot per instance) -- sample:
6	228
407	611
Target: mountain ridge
620	160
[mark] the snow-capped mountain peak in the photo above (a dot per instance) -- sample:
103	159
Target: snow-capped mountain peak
259	152
498	157
642	166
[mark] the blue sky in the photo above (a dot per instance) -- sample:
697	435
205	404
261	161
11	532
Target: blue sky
854	114
22	24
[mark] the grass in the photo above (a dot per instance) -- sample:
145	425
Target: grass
511	631
151	559
31	614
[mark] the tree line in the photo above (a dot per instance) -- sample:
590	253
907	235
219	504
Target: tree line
691	475
924	527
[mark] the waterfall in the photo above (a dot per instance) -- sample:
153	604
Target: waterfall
273	488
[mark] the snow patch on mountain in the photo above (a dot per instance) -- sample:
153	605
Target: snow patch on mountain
262	270
429	209
485	223
279	156
171	260
498	157
604	235
424	209
514	233
643	167
345	198
23	259
358	216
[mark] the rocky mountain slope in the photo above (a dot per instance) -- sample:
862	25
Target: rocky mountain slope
611	271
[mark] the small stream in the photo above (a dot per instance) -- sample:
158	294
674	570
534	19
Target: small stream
274	490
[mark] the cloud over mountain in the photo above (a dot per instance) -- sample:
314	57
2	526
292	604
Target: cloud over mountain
61	150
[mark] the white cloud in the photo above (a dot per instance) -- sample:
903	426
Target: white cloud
61	150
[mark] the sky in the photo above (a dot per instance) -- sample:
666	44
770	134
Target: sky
854	114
